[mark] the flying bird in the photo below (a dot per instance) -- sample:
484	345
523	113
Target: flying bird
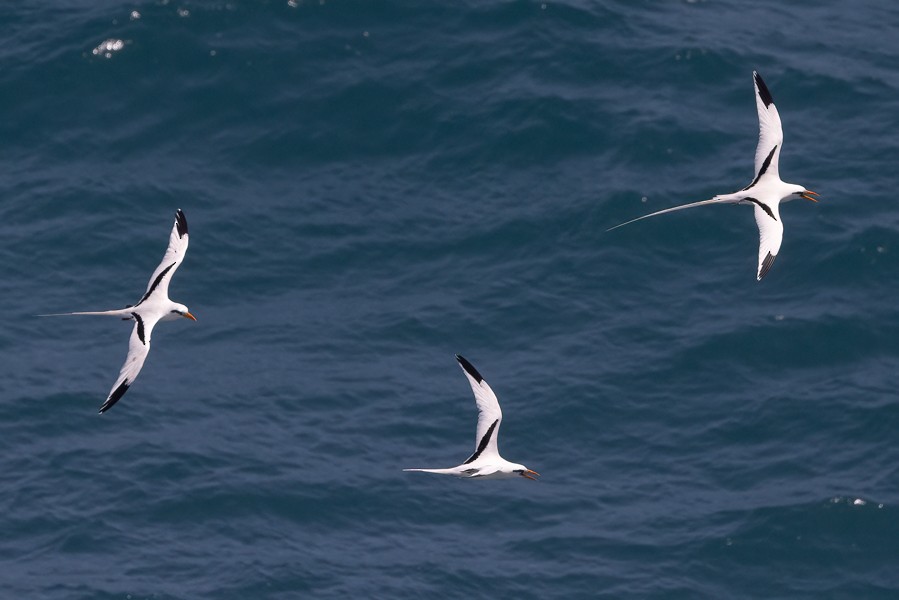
766	191
485	462
153	307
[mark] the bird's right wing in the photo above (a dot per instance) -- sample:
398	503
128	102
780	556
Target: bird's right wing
771	233
726	199
489	413
174	254
138	348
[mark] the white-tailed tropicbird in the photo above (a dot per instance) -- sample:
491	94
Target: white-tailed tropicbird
766	191
486	461
155	306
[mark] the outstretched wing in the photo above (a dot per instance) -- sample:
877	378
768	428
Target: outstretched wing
771	233
489	413
727	199
138	348
174	254
771	135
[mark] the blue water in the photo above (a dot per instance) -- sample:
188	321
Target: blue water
372	187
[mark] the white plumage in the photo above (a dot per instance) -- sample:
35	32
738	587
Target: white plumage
766	191
153	307
485	462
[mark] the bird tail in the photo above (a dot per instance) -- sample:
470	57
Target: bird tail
112	313
438	471
721	199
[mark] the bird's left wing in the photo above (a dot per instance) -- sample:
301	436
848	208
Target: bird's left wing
138	348
771	233
174	254
771	135
489	413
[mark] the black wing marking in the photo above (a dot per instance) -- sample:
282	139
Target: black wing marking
115	396
469	368
762	170
156	283
764	207
766	265
140	328
764	94
484	440
181	223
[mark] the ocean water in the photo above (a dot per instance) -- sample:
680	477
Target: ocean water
373	186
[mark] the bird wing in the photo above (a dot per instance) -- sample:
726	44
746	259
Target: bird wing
728	199
138	348
489	413
771	135
771	233
174	254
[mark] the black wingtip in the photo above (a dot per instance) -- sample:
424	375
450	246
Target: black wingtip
181	223
115	396
764	94
469	368
766	265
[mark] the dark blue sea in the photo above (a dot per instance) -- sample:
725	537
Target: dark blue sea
374	186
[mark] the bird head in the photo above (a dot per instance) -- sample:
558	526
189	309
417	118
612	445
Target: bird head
525	472
179	310
806	194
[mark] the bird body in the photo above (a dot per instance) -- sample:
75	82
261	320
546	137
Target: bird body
766	191
485	462
153	307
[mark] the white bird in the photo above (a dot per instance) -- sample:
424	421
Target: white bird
486	461
766	191
153	307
